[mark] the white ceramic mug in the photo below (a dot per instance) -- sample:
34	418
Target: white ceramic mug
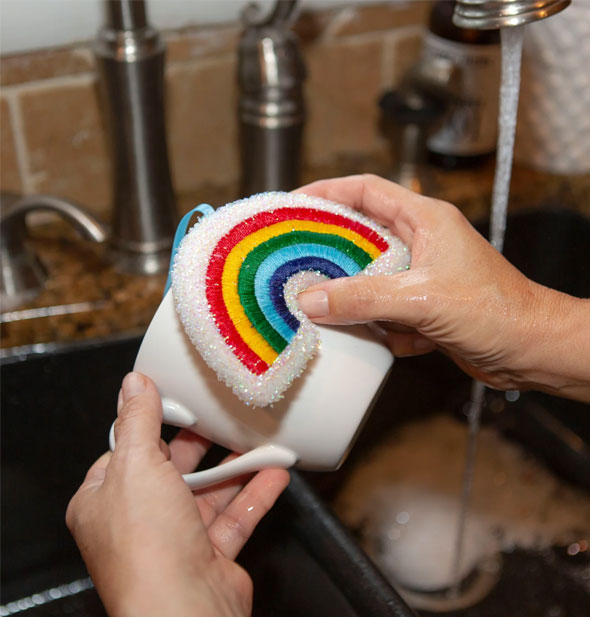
312	427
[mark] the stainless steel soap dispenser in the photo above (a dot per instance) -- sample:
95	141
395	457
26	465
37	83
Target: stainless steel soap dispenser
271	73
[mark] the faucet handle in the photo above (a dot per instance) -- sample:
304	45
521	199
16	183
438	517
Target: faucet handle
22	274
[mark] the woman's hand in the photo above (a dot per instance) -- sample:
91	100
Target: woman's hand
151	546
460	295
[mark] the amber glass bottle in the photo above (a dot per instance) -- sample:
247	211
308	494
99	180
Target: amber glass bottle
467	135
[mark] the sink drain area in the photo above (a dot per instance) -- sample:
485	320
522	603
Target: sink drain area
472	590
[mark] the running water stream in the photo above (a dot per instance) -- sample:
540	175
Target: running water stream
511	40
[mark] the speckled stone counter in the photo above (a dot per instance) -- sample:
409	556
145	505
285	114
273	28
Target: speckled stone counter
102	301
99	302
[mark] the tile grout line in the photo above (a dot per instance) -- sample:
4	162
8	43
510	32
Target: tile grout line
390	42
20	146
178	66
387	61
63	81
341	17
51	82
382	36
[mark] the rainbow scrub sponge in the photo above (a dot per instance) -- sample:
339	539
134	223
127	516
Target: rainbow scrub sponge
237	274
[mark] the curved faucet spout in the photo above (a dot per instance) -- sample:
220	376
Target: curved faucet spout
22	274
88	226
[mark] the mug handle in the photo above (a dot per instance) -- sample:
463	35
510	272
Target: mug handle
262	457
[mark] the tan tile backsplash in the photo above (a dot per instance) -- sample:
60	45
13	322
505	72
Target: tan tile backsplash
52	136
64	138
187	45
405	49
45	64
9	172
202	123
380	18
344	82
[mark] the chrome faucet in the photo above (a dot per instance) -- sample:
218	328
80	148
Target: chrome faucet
130	60
22	274
493	14
271	110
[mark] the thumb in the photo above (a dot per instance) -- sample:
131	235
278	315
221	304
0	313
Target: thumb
140	413
359	299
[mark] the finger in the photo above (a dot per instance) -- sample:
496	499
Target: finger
165	449
383	328
96	474
140	415
213	501
359	299
386	202
348	190
94	479
403	345
187	449
232	528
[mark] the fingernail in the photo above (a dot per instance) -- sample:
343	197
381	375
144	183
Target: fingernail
314	303
133	384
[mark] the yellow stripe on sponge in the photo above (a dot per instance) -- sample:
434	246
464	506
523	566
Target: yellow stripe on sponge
233	263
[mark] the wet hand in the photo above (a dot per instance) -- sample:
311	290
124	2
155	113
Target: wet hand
151	546
460	294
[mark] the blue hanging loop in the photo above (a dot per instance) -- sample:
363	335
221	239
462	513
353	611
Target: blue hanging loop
204	210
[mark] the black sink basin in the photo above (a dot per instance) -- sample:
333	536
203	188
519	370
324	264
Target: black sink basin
57	408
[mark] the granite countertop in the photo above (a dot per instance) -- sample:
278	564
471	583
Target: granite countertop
98	302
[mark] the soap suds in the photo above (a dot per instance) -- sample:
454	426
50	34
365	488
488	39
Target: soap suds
417	471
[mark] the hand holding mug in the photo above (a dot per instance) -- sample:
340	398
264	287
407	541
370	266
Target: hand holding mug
460	295
150	545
